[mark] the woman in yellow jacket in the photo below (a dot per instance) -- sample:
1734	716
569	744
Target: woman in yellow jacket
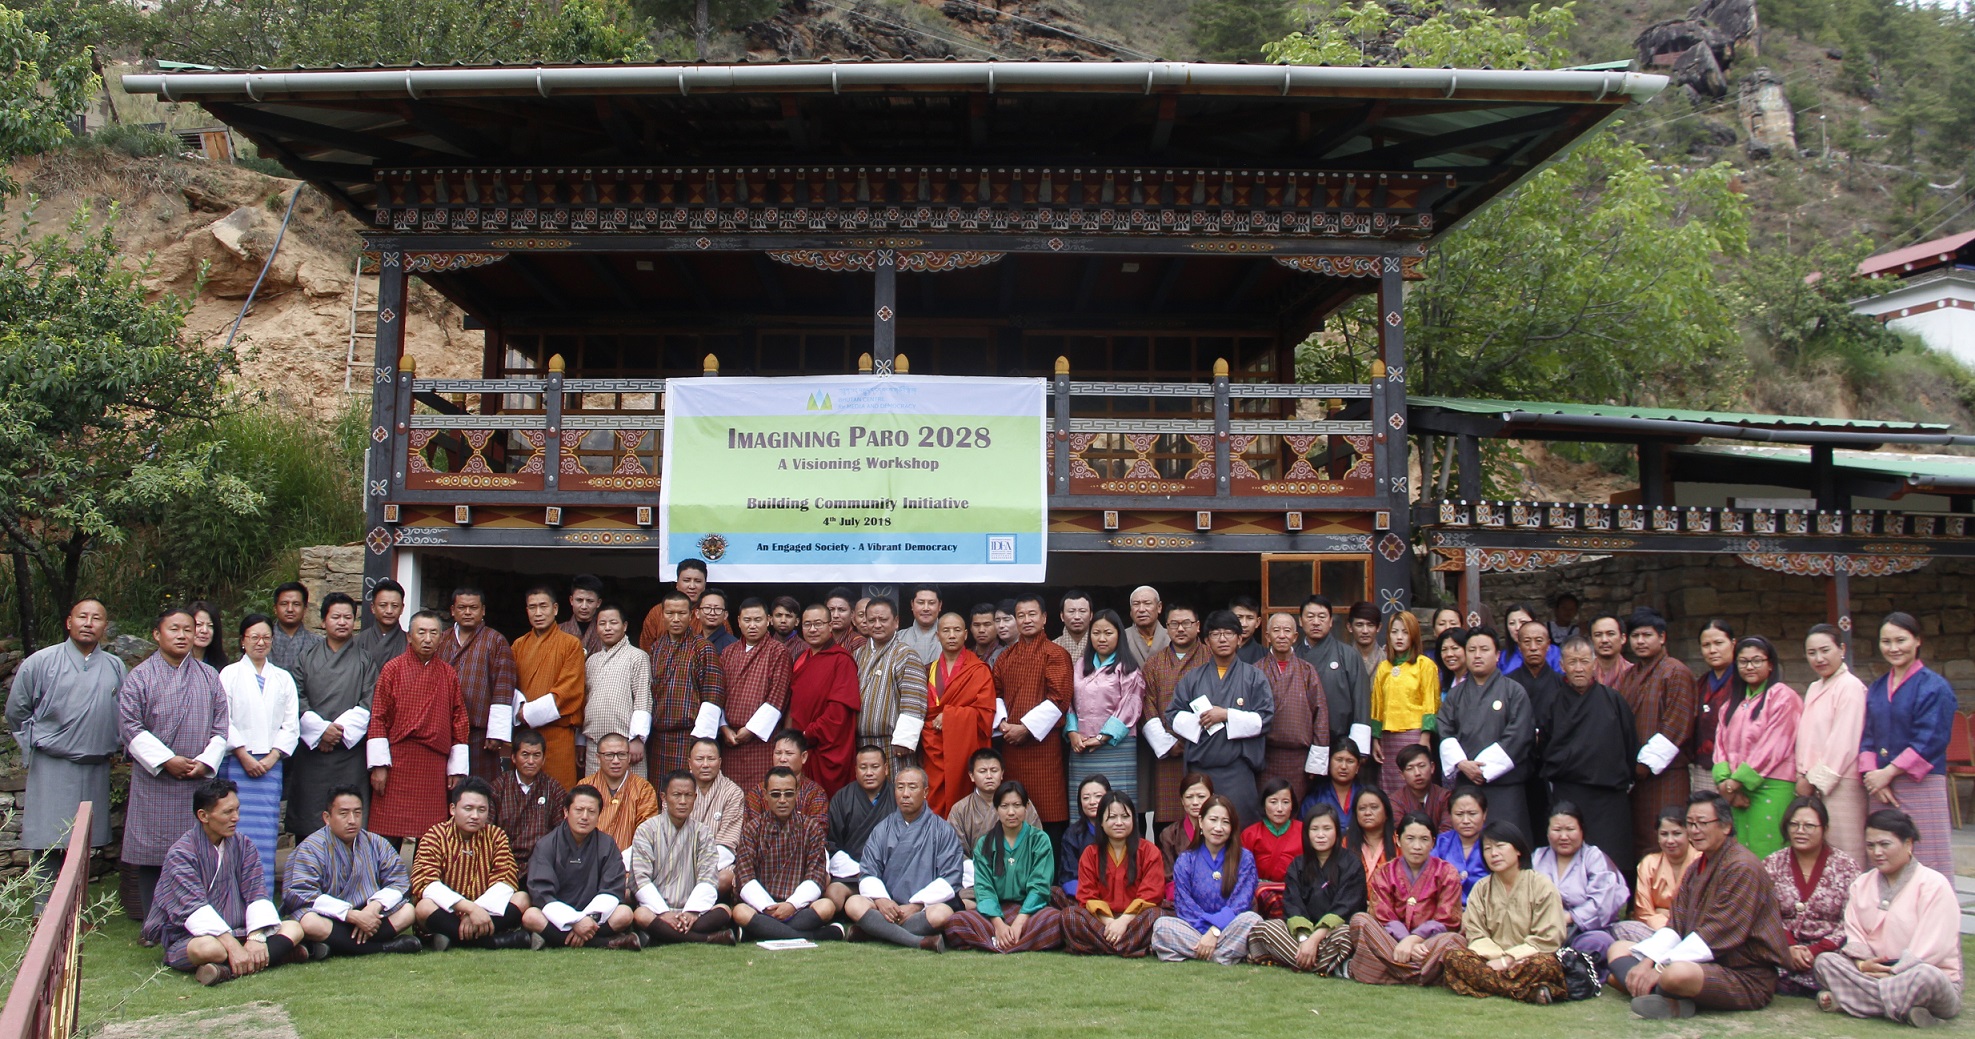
1405	697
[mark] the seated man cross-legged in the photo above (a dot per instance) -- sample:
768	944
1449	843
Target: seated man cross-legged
915	855
780	868
575	865
675	870
463	877
346	886
211	911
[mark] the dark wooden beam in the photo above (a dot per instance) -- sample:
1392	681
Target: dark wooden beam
1166	283
1329	140
690	279
327	177
612	280
620	129
374	144
1087	287
771	282
1007	286
977	121
525	269
431	119
1162	130
792	121
1256	268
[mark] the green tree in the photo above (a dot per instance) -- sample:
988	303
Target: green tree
1237	30
104	407
1799	307
699	19
281	33
44	82
1427	33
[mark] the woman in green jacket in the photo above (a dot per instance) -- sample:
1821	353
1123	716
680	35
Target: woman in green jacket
1014	866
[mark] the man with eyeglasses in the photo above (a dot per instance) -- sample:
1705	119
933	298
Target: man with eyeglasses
628	799
779	869
1724	938
712	613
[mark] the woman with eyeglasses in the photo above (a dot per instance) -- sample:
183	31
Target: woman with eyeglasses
1812	881
262	729
1902	954
1755	746
1909	715
1514	922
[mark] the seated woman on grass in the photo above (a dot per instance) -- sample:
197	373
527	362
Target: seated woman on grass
1370	833
1460	847
1082	832
1013	865
1414	914
1346	782
1213	888
1515	923
1659	878
1324	888
1195	789
1274	841
1592	889
1120	881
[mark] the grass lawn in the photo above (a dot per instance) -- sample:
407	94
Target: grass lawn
860	989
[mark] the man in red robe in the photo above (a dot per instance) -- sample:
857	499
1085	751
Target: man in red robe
959	715
1035	680
756	671
824	699
418	733
549	663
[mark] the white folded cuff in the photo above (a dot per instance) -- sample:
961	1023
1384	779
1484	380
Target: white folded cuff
378	752
1243	724
388	898
1000	713
906	732
562	914
757	896
1042	718
872	887
312	727
330	906
1156	735
602	906
355	723
500	722
1451	755
934	893
205	922
640	725
1658	753
150	751
1361	734
1317	762
707	723
262	914
805	893
1494	761
1186	725
626	856
966	872
763	723
704	896
443	896
649	898
723	856
495	899
540	711
842	865
215	752
456	761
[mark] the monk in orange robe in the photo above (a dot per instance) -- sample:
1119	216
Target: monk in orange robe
548	664
959	715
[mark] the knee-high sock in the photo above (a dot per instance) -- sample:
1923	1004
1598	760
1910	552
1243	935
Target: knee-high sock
710	923
804	924
505	922
342	939
875	925
916	923
278	948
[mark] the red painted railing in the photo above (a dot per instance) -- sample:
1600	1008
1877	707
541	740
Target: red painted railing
42	1003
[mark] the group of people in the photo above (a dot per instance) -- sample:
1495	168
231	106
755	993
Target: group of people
1462	807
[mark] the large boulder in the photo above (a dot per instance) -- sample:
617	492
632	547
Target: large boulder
1766	115
1735	18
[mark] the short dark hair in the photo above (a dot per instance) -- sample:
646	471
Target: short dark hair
540	589
212	792
1006	606
387	585
913	592
1318	600
1413	752
1364	611
1893	821
586	583
1074	593
586	790
794	736
1221	620
885	601
247	622
1502	831
675	595
872	748
465	590
529	736
1797	804
704	741
780	772
840	592
291	586
1722	809
720	592
342	790
979	609
1484	631
470	785
665	782
334	599
1028	597
752	602
1645	617
985	754
785	602
1245	602
689	564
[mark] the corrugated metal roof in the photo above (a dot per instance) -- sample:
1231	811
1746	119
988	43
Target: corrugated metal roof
1921	257
1482	406
1924	473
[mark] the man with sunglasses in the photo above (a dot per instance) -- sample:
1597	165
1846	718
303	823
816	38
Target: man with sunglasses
779	869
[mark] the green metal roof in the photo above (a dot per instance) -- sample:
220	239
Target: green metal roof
1921	473
1483	406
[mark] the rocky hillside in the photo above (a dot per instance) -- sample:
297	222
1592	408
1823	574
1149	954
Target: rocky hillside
191	219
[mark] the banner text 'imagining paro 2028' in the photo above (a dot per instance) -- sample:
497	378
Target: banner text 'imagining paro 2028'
856	478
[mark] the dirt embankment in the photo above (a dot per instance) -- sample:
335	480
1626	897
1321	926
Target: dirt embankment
182	215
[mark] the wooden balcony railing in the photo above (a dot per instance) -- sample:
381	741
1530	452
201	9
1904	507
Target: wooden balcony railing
47	989
1220	443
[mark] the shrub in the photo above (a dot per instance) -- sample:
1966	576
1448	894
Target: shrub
138	142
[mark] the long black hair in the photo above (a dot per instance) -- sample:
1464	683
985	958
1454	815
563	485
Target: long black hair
989	844
1356	834
1119	658
1117	797
215	654
1311	867
1760	644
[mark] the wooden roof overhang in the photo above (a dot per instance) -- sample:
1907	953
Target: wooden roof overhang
1261	194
